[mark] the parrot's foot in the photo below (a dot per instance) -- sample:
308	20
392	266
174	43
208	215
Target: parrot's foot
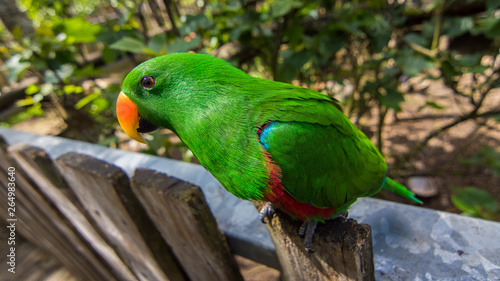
306	230
344	214
267	212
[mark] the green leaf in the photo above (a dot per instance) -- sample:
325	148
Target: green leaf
433	5
468	60
32	89
231	6
15	67
349	27
392	99
98	105
183	45
431	104
449	69
158	44
412	64
380	32
193	23
87	71
294	33
109	55
487	157
282	7
492	5
17	33
129	44
434	105
86	100
72	89
496	117
457	26
477	69
78	30
417	39
46	89
64	71
35	110
370	87
474	201
329	45
292	64
428	28
493	30
25	102
489	26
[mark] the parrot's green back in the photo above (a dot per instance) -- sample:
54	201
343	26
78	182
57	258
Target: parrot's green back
261	139
323	172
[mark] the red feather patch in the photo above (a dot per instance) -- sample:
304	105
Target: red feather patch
281	199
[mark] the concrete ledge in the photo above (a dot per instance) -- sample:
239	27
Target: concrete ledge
410	243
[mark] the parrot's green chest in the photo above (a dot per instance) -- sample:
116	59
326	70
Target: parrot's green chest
229	149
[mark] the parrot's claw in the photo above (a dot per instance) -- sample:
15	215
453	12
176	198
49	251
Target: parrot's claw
344	214
306	230
267	212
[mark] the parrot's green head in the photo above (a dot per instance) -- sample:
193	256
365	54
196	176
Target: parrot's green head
169	90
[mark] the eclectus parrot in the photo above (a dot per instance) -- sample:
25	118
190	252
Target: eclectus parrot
262	140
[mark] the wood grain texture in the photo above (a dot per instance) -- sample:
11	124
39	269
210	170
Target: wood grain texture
344	249
33	263
42	224
38	167
181	214
104	191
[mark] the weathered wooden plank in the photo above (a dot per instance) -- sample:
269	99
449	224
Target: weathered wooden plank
34	263
248	237
41	165
181	214
39	222
104	191
32	225
38	166
40	229
344	249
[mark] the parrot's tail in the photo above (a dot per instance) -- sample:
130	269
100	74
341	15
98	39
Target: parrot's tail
399	189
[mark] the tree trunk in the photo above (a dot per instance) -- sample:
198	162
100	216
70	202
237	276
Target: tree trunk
171	17
15	20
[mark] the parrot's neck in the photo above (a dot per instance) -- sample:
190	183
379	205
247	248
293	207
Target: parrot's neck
228	148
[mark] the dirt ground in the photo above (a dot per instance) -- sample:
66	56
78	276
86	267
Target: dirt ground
442	159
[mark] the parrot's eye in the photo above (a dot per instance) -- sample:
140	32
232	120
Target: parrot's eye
147	82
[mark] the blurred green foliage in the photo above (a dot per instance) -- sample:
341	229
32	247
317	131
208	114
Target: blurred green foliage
475	202
487	158
366	44
360	52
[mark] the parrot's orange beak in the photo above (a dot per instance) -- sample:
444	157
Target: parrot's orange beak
128	117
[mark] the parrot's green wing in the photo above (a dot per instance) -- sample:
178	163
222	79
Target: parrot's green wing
324	159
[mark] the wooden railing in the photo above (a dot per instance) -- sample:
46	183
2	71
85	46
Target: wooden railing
103	224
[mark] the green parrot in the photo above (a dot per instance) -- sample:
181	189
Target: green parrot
262	140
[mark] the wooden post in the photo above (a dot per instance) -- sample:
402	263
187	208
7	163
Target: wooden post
38	221
344	249
35	163
104	191
181	214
